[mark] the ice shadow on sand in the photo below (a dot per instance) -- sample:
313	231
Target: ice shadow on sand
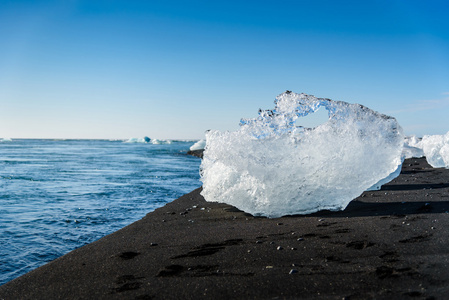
412	187
384	207
412	203
357	208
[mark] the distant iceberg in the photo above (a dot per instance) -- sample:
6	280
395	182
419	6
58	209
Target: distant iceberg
139	140
161	142
147	140
5	140
272	166
200	145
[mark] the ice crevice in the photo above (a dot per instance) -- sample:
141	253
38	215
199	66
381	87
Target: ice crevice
272	166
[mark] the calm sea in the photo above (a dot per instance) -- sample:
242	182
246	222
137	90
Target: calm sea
58	195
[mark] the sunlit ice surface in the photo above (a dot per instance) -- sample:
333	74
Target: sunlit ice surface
272	166
434	147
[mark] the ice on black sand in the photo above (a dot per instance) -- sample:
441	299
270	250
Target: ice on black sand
272	166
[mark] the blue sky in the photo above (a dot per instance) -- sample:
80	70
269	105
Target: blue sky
173	69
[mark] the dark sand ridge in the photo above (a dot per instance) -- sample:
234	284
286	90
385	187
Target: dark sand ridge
391	243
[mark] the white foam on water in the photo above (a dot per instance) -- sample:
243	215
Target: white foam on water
273	167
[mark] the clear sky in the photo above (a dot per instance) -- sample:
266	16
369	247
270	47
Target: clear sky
173	69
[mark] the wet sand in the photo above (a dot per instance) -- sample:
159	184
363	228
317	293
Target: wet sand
392	243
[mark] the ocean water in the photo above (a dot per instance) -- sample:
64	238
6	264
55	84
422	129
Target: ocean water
58	195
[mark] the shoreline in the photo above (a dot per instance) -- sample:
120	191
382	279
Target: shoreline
387	243
197	153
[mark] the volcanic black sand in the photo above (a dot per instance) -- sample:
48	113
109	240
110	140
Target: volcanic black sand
387	244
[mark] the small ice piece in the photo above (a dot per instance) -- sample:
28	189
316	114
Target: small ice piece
436	150
412	147
200	145
272	166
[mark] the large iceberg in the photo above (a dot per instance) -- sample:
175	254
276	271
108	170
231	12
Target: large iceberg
272	166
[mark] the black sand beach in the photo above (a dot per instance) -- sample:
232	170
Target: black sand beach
391	243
